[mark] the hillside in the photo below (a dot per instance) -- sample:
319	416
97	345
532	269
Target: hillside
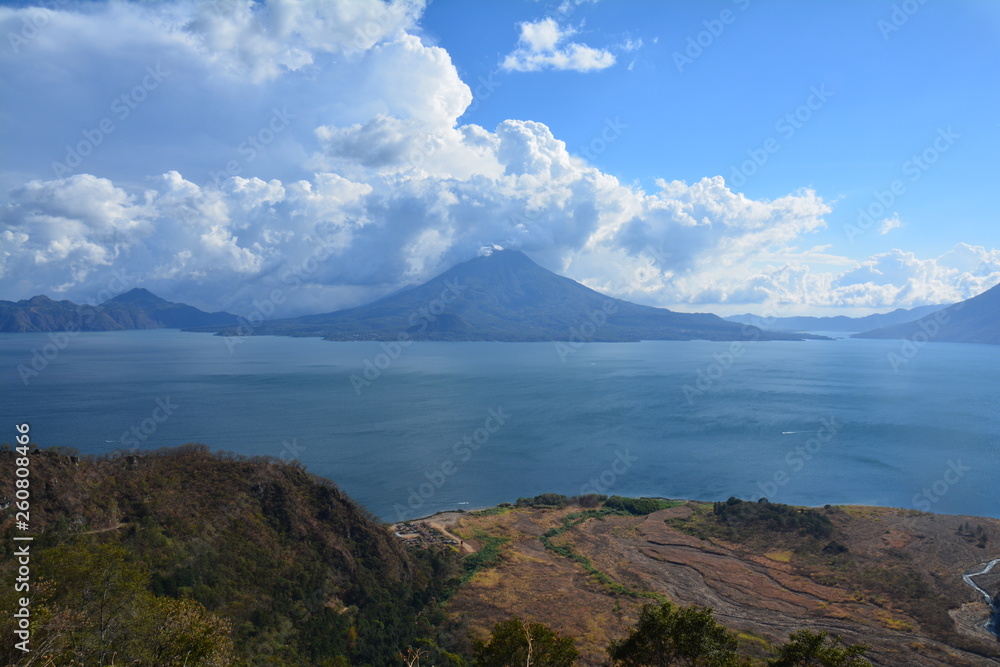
890	578
136	309
975	320
252	561
286	560
840	323
40	313
504	296
141	309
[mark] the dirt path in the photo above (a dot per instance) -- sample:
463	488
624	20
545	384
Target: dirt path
464	546
102	530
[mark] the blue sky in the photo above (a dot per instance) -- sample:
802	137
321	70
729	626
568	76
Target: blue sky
701	155
892	88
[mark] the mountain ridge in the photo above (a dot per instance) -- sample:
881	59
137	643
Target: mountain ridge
136	309
975	320
502	296
505	296
839	323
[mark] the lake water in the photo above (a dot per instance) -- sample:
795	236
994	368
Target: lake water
446	425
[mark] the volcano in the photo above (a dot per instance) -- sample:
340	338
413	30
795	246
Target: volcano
505	296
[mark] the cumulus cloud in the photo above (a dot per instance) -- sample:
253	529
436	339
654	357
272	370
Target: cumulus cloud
373	184
385	228
71	227
543	45
381	142
893	279
241	40
223	68
690	244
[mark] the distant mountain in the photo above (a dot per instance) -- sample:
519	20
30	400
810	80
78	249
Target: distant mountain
136	309
975	320
40	313
505	296
837	323
141	309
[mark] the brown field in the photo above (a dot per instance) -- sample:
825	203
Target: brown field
898	587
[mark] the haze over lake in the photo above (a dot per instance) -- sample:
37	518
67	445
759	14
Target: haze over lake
800	422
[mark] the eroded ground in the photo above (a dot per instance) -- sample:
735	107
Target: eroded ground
897	586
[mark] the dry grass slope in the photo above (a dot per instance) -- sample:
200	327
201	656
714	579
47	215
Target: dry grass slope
891	578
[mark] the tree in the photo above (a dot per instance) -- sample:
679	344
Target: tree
412	656
819	649
515	644
670	635
98	610
100	590
182	632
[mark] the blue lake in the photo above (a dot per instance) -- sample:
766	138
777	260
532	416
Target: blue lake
465	425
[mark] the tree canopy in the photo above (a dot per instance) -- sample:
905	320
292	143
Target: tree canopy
819	649
671	635
515	643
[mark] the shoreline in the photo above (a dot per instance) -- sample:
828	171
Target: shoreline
841	506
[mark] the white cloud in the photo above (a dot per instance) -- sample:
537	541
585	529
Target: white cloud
373	185
567	6
631	45
404	226
543	35
69	228
384	141
405	78
542	45
242	40
698	244
887	280
226	66
889	224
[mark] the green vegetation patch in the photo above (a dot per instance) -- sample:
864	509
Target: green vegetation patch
640	506
739	520
566	551
500	509
545	501
489	555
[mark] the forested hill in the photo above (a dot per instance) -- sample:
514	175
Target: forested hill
185	558
241	561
